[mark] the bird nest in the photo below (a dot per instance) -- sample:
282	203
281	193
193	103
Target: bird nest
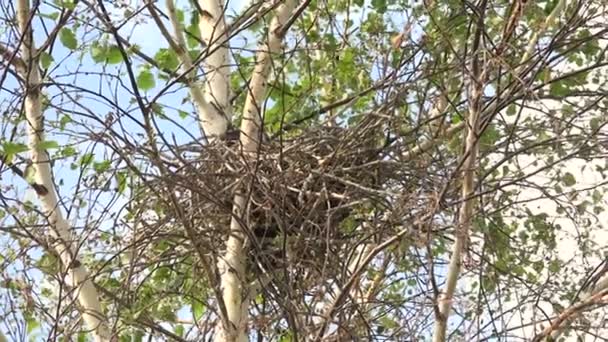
304	194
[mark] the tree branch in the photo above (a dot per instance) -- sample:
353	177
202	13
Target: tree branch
478	78
62	240
208	116
554	330
233	265
12	59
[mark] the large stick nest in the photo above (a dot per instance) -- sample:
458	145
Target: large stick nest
305	193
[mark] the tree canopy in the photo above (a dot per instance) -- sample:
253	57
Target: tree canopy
303	170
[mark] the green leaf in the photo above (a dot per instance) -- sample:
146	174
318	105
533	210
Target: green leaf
69	4
158	110
538	266
121	181
511	110
179	330
137	336
110	54
145	80
68	39
193	33
594	123
45	60
30	173
113	55
554	266
347	65
102	166
559	89
286	337
166	59
31	323
194	53
198	309
379	5
373	24
86	159
489	137
98	53
11	148
52	16
48	145
596	196
518	270
568	179
180	16
134	48
68	151
65	119
48	263
167	313
182	114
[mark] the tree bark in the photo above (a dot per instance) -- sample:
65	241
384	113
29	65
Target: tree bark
473	131
462	230
60	235
216	117
213	121
233	265
470	154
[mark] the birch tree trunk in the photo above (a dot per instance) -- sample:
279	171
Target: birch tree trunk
470	155
445	300
462	234
212	106
215	117
233	265
60	236
215	113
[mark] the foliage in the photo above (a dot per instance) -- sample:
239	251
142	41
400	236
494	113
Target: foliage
358	152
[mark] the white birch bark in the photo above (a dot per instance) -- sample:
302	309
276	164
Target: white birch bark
232	265
215	117
213	122
464	222
60	234
466	211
